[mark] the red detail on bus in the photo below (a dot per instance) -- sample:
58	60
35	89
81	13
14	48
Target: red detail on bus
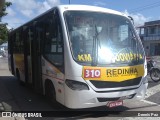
92	73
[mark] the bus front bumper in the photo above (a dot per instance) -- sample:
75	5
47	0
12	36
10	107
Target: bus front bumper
89	98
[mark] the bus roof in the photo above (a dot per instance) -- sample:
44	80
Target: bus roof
77	7
88	8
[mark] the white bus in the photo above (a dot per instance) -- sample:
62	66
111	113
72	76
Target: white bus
80	56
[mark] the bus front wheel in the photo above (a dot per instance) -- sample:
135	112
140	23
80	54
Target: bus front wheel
50	92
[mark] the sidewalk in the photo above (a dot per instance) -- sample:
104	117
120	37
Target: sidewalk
4	71
6	99
3	90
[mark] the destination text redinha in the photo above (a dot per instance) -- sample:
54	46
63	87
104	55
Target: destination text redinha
115	72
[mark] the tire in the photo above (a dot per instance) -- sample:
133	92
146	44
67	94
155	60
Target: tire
51	96
50	92
18	78
155	74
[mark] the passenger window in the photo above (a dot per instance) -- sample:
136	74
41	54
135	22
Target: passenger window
53	43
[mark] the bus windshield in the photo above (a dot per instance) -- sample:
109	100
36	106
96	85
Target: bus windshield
101	38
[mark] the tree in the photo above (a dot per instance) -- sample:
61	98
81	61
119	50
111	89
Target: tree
3	26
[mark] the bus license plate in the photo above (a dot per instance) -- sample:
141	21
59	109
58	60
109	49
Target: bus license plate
115	103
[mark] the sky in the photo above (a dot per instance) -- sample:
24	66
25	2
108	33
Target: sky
22	11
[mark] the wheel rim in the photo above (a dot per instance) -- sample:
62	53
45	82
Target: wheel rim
155	75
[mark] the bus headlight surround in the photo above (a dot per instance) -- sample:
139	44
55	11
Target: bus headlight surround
145	80
76	85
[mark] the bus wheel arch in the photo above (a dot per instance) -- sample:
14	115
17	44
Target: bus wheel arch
19	78
50	91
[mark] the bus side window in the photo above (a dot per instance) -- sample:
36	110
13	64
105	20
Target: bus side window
53	42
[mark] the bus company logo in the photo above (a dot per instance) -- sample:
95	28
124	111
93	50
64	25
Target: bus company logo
128	56
84	57
122	72
15	114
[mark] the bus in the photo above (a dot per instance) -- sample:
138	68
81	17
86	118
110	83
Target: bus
80	56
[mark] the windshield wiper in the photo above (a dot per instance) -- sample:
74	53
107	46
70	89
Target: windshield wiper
95	48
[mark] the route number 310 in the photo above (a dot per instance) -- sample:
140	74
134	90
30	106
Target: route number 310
92	73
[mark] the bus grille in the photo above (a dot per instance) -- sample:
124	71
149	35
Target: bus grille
114	99
106	84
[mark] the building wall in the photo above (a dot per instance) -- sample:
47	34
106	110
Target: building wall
150	36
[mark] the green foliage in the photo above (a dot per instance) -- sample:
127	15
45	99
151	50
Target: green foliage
3	33
3	26
3	12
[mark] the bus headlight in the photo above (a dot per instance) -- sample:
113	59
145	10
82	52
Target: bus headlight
75	85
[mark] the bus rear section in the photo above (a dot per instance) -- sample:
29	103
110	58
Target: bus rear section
106	61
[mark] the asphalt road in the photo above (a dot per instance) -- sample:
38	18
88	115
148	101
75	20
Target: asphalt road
14	97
